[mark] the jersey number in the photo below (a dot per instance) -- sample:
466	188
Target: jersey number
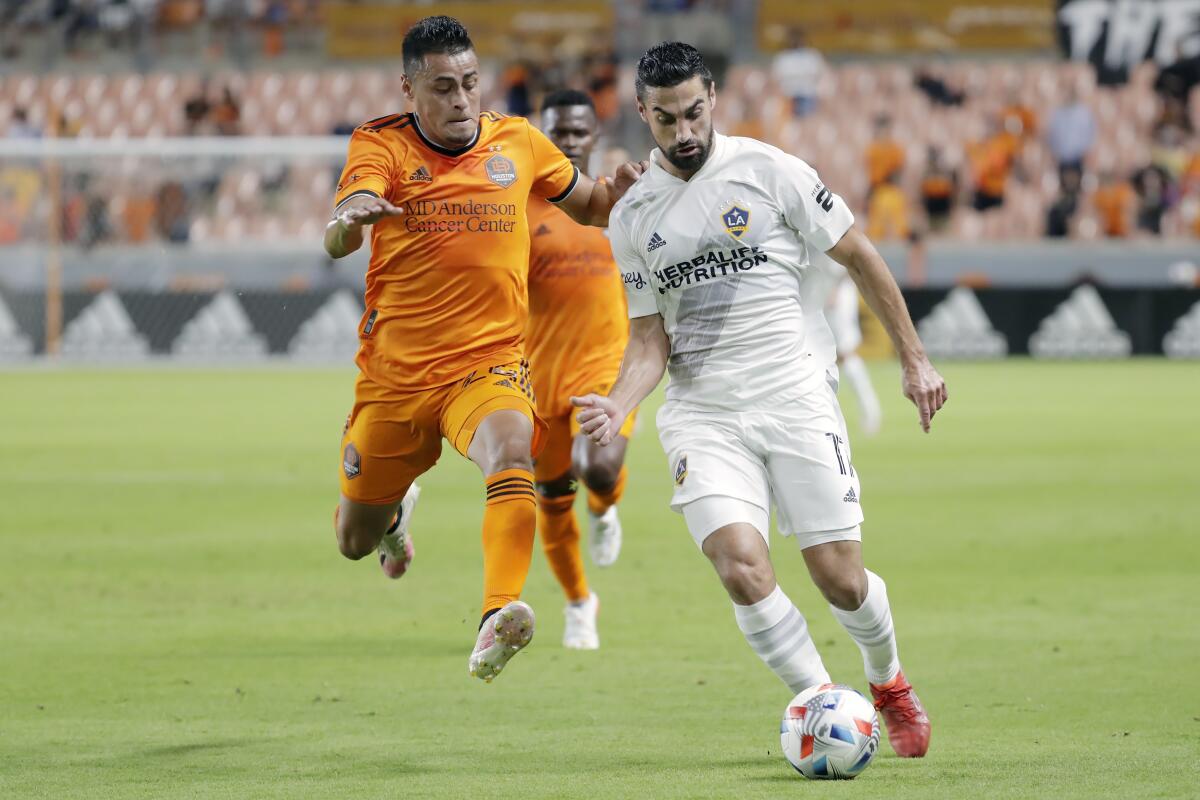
844	465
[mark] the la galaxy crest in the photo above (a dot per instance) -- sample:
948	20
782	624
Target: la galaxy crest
736	220
501	171
681	471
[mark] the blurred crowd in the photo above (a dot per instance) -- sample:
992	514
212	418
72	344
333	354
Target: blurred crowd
1088	190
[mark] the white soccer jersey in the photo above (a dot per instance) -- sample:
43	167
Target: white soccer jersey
722	258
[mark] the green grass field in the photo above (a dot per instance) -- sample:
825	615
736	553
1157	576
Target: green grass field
176	622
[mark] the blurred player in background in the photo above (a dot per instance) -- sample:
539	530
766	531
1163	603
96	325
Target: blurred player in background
841	312
751	418
442	339
576	337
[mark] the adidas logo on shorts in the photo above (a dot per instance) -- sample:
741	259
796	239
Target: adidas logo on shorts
655	242
850	497
421	174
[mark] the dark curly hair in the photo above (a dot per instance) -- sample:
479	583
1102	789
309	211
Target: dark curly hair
439	34
670	64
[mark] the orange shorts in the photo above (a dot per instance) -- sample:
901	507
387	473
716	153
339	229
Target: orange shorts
391	438
554	460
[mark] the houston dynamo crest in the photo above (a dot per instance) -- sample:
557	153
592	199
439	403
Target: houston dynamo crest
501	171
737	221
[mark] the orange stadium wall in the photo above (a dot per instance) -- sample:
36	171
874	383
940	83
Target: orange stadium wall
366	31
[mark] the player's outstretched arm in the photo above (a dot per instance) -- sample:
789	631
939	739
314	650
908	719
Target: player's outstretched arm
591	200
343	234
642	368
921	382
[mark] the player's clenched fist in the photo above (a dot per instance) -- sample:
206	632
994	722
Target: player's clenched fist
601	418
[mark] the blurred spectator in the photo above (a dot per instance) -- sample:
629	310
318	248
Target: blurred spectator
196	111
171	213
1018	118
516	90
936	89
885	156
1071	132
798	71
343	128
10	215
613	158
1175	81
939	187
1061	213
991	162
227	115
1169	151
1114	201
1151	186
887	212
21	127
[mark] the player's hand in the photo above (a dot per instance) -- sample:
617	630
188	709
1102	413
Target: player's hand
601	418
925	388
627	175
367	213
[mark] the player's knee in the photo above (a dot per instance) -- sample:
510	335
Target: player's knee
747	577
355	541
845	590
601	476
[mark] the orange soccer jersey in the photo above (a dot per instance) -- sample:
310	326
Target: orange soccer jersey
578	324
446	286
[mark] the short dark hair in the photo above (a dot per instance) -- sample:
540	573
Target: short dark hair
567	97
670	64
439	34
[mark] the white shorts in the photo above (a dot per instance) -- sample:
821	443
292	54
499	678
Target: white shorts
709	514
842	315
794	458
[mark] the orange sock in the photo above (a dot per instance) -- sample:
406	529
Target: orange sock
560	540
508	520
599	503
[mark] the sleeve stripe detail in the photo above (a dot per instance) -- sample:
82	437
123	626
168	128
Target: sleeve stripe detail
386	118
558	198
359	193
404	121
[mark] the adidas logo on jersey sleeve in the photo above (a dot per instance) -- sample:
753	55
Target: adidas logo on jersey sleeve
655	242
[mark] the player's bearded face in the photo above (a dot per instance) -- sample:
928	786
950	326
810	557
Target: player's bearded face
680	119
445	97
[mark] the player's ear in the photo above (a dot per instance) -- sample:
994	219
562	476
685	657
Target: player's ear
406	86
641	110
712	95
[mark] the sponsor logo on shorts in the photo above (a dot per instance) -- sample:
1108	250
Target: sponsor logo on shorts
850	497
351	462
681	471
501	171
737	221
505	383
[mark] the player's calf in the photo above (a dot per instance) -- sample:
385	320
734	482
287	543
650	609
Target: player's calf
740	557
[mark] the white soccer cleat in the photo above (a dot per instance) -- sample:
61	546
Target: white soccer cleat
580	632
502	636
604	537
396	548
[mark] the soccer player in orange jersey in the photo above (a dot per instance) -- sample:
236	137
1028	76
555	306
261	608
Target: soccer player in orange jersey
445	191
577	331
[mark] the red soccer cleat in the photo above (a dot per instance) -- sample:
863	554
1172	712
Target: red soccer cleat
906	720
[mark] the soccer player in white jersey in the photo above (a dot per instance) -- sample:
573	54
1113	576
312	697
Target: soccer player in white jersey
714	242
841	312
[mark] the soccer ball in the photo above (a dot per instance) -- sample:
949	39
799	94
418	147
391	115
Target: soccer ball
829	732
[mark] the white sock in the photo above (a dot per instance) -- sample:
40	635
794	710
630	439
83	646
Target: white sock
871	628
860	381
776	630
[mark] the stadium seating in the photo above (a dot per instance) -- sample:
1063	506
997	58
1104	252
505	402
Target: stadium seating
291	103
